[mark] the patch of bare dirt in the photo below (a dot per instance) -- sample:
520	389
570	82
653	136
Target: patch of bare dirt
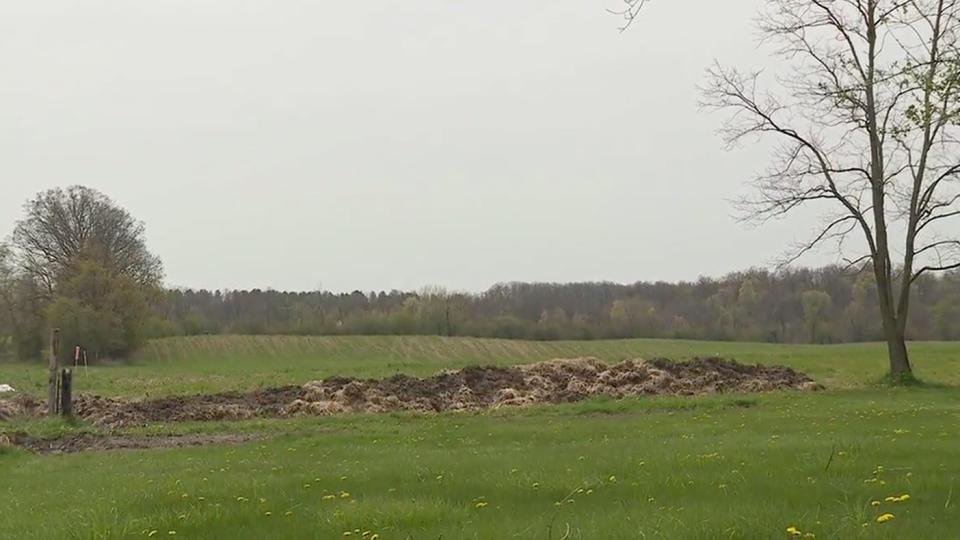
20	405
554	381
84	441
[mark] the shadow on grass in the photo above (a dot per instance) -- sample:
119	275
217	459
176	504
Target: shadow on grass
909	380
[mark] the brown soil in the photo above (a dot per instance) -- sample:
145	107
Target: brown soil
470	388
83	441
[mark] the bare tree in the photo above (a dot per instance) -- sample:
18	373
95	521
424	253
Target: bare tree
62	227
866	124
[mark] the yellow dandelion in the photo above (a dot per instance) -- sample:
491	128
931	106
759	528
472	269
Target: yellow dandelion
365	534
809	535
267	514
344	495
890	499
347	533
883	518
153	533
536	485
375	536
874	503
904	497
589	492
171	533
328	497
613	479
792	531
481	504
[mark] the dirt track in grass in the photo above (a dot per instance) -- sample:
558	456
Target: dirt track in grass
85	441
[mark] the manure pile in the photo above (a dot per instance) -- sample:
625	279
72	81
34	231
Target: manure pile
554	381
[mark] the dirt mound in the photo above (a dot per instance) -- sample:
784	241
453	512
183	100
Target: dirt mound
554	381
20	405
84	441
107	412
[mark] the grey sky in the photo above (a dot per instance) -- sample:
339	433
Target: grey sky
356	145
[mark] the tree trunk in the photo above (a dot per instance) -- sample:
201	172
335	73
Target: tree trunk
897	350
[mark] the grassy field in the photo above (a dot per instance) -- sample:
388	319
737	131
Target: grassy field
706	467
216	363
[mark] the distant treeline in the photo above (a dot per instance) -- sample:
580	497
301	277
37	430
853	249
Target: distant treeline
806	305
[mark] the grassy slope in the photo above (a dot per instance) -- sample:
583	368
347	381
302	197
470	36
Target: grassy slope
707	467
207	364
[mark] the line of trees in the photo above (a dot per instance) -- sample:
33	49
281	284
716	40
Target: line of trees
798	306
79	262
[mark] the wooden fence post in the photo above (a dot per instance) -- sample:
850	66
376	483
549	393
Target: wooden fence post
52	375
66	397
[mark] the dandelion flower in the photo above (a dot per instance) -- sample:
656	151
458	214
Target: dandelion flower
883	518
328	497
347	533
793	531
536	485
153	533
890	499
874	503
375	536
904	497
171	533
613	479
344	495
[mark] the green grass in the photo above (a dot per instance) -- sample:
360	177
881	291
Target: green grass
723	466
216	363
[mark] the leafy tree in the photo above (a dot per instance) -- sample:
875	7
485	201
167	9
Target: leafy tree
81	264
100	311
64	227
815	307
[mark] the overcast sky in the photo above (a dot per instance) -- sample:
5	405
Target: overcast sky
378	145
